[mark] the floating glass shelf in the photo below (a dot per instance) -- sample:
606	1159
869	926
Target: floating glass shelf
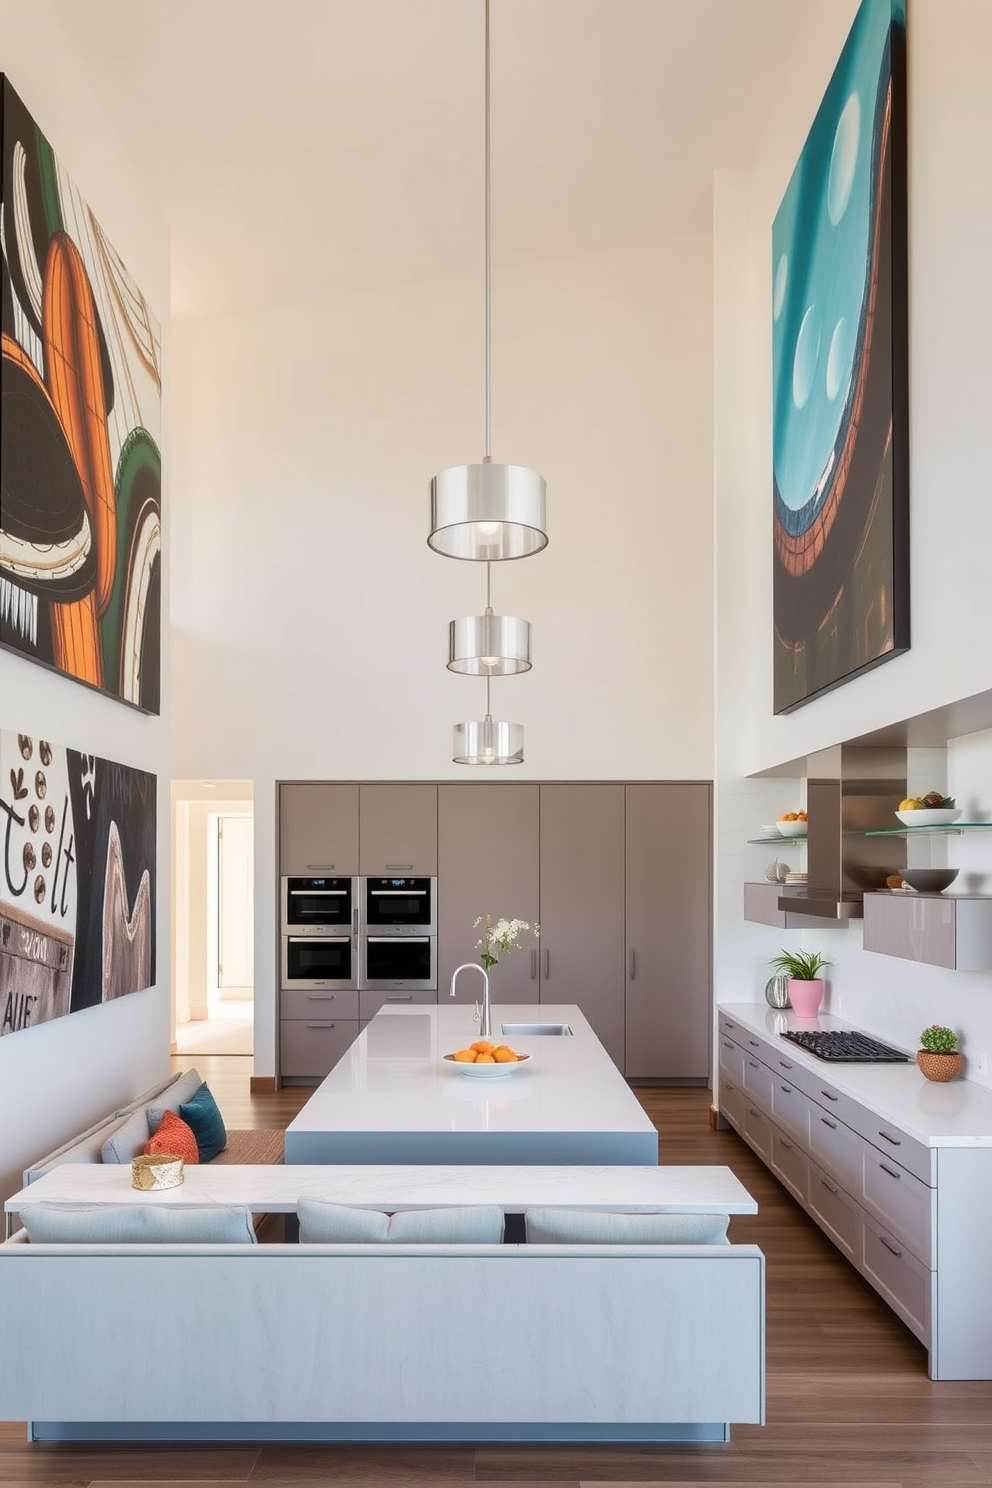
953	830
779	841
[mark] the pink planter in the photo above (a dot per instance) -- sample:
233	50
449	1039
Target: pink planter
805	996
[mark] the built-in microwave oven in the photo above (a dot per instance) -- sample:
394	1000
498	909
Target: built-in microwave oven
312	961
319	906
407	962
399	906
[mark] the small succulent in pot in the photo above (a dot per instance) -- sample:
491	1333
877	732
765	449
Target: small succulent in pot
939	1040
803	966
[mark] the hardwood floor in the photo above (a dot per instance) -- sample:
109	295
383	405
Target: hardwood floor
849	1401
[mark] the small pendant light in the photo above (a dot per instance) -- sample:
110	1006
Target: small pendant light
488	741
488	512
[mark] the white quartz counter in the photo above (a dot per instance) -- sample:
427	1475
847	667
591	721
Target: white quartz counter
391	1099
955	1114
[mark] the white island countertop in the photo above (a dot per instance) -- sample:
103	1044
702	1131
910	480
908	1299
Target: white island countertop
391	1099
957	1113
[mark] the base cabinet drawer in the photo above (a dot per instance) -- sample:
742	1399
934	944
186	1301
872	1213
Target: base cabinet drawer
369	1003
732	1104
297	1003
731	1060
899	1201
837	1149
757	1130
835	1212
789	1108
790	1165
897	1275
309	1048
758	1081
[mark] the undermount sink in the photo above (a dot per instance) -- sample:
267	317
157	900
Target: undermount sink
559	1030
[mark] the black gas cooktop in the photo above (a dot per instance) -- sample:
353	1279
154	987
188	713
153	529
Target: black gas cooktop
845	1045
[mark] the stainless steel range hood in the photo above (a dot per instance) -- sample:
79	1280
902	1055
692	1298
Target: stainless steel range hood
850	790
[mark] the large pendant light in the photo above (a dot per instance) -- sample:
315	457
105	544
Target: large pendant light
488	512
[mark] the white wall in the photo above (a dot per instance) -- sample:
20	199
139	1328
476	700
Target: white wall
311	617
950	247
57	1077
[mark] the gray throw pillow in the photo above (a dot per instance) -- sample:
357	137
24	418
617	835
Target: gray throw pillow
182	1089
138	1224
323	1223
596	1227
127	1140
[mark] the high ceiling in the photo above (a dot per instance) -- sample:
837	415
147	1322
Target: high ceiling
312	147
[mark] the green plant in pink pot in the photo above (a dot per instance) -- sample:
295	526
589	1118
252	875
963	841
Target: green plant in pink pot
805	985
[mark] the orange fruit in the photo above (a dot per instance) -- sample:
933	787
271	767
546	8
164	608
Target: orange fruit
464	1056
484	1059
483	1046
504	1054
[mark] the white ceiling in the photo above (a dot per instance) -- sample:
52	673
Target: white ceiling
311	147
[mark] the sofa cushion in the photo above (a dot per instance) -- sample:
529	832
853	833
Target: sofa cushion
175	1136
598	1227
137	1224
128	1139
182	1089
323	1223
202	1114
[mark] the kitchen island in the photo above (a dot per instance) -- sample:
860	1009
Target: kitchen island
392	1099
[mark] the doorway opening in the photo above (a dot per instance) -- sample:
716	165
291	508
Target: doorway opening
213	917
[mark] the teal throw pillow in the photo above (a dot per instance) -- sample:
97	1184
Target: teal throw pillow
202	1114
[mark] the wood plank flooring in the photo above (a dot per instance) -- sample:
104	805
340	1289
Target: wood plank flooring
849	1401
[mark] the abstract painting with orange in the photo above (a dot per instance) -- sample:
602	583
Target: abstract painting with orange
80	431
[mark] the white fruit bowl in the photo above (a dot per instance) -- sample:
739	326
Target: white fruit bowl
486	1071
791	828
937	816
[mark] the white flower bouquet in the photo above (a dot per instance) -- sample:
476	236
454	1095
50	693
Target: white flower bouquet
499	936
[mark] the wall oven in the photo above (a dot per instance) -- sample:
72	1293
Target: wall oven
318	906
399	906
312	960
407	962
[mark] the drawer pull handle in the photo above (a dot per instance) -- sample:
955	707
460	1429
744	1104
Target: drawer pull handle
891	1248
320	997
754	1064
728	1024
828	1186
754	1043
397	997
785	1064
895	1141
727	1044
754	1112
827	1122
891	1171
321	1025
829	1095
786	1144
785	1089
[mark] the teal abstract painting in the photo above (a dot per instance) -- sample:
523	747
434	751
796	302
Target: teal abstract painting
840	377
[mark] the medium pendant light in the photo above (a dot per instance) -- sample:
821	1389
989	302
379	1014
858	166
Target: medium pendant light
489	645
488	512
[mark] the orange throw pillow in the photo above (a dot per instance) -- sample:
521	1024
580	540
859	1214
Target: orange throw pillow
174	1135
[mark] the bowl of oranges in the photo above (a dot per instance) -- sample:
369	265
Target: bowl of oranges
486	1059
791	824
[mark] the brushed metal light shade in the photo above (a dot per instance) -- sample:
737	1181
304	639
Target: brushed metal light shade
489	645
487	513
488	742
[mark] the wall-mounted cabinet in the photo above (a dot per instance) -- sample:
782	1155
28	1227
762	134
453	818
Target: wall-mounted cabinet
953	932
761	904
398	829
318	828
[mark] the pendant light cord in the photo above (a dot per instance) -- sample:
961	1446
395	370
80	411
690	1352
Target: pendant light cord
489	255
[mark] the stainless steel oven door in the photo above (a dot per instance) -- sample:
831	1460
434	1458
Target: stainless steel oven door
399	906
408	962
319	906
319	961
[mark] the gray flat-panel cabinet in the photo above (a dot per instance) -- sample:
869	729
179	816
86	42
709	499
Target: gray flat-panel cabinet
488	863
669	831
582	905
398	829
318	828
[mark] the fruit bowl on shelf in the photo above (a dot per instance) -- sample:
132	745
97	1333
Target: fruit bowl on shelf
924	816
795	828
929	880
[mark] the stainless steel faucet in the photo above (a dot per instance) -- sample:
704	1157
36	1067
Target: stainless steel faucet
485	1030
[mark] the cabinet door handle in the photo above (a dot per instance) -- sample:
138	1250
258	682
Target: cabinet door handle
354	920
754	1064
829	1095
891	1248
547	965
533	966
893	1141
395	867
891	1171
828	1186
321	865
786	1144
633	965
754	1112
827	1122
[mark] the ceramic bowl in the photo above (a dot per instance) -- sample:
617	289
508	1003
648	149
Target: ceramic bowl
927	817
791	828
486	1071
929	880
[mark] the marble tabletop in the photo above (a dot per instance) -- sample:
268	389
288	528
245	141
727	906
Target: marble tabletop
271	1189
391	1098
